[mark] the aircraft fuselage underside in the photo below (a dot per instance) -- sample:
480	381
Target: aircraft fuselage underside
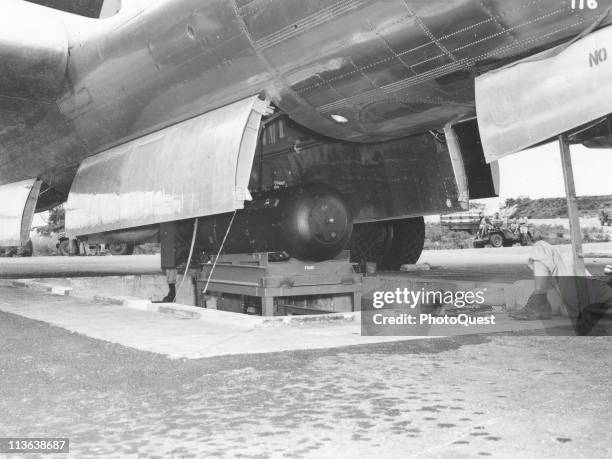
366	95
390	68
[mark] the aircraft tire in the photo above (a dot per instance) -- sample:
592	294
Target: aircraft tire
120	248
370	242
388	244
63	248
407	245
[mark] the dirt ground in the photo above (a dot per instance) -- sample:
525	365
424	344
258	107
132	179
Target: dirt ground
502	396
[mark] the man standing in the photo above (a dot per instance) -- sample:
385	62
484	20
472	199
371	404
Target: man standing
497	221
604	216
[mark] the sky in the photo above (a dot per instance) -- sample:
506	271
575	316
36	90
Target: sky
537	173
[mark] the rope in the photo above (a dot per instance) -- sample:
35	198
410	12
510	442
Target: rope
193	238
229	227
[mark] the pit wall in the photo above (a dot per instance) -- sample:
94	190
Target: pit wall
507	296
150	287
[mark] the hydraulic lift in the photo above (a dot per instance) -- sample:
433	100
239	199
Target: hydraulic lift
270	284
266	283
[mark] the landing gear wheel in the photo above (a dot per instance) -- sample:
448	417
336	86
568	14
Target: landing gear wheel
496	240
388	244
407	246
120	248
64	248
370	242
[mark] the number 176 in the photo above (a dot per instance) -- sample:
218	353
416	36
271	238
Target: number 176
581	4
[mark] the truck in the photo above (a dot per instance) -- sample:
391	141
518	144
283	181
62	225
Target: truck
92	249
499	234
55	225
462	221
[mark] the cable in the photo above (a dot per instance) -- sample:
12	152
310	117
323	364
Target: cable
229	227
193	238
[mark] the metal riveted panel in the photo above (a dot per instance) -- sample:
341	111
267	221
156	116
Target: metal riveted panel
196	168
544	96
17	203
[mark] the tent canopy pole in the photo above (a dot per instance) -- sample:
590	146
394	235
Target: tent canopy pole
572	205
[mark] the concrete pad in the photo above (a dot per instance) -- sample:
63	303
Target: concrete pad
61	291
495	293
311	320
212	335
210	317
415	268
51	288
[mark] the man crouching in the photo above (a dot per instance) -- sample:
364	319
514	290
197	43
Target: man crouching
580	294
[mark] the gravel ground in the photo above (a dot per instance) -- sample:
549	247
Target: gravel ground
503	396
